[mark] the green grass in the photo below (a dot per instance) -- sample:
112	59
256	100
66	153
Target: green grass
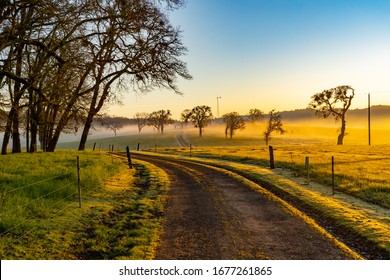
361	171
130	230
120	215
146	140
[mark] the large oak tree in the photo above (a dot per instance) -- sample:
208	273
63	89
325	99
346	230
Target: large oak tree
201	116
334	102
61	61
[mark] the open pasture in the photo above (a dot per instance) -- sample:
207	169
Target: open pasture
360	170
40	217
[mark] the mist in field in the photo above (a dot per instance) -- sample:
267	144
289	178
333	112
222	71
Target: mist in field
301	129
97	133
308	130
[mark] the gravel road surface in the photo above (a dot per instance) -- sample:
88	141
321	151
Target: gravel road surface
211	215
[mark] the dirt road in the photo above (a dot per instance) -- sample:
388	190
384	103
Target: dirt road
210	215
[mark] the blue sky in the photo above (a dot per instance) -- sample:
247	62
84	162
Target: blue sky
276	54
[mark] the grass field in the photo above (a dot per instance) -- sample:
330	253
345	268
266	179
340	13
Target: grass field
360	170
120	217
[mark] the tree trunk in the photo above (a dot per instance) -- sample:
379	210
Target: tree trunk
342	132
266	138
33	138
7	131
87	127
51	146
4	147
33	120
16	145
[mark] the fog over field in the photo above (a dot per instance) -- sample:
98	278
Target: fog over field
300	124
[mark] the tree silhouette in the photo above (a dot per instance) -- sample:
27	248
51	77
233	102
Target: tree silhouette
274	124
159	119
142	120
328	102
201	116
185	116
233	122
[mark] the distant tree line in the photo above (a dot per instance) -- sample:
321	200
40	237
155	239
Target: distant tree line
332	102
62	62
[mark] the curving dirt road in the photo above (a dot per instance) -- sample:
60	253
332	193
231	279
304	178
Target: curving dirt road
210	215
181	141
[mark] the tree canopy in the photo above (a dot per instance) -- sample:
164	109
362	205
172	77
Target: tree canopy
62	61
255	115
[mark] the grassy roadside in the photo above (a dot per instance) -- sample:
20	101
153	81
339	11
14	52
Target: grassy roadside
120	217
353	218
131	228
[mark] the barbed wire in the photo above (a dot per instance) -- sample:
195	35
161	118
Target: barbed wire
16	239
41	211
35	183
38	198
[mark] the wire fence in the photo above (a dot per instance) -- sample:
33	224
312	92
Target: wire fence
20	214
30	207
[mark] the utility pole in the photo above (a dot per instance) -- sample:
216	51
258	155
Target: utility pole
218	97
369	120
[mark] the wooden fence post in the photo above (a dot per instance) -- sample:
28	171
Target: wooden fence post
138	147
271	157
307	166
129	157
78	180
94	146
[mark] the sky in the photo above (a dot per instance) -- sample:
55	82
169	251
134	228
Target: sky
275	55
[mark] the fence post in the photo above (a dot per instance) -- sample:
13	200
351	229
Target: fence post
307	166
138	147
271	157
112	148
78	180
332	175
129	157
94	146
